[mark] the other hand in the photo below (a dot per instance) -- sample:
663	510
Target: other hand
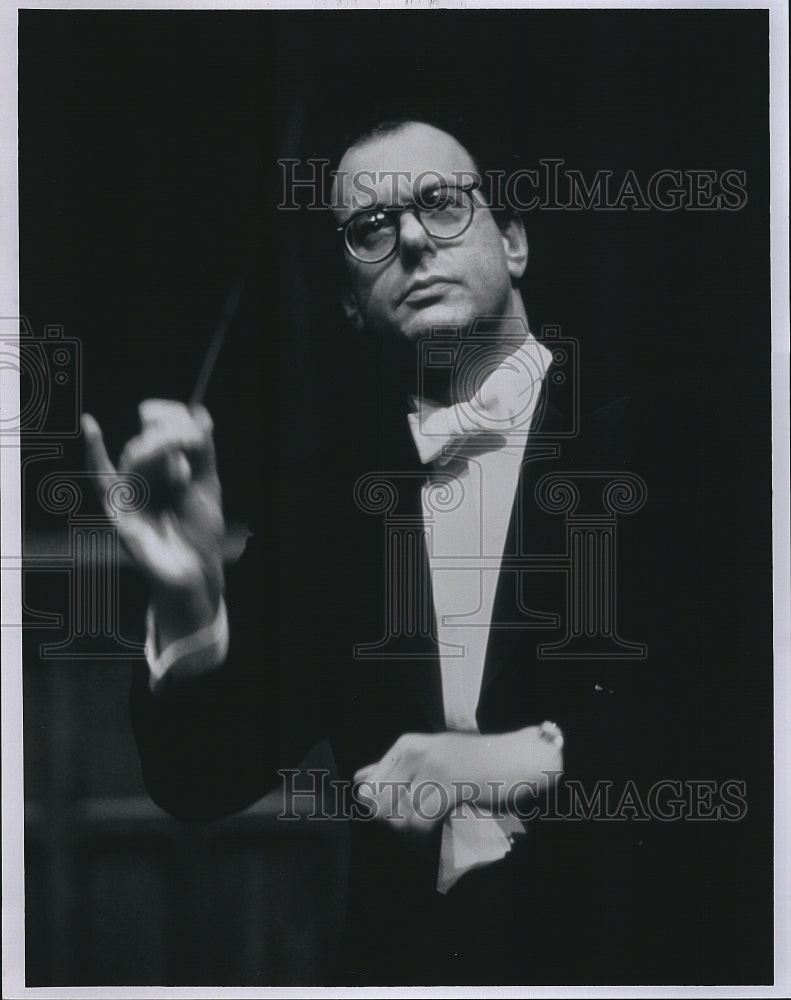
424	776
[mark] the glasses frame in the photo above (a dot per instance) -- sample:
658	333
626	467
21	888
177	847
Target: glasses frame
416	210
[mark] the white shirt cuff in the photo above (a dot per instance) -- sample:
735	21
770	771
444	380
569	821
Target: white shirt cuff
193	654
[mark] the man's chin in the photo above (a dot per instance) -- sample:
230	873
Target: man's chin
423	321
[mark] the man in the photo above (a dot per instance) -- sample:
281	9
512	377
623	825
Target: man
419	663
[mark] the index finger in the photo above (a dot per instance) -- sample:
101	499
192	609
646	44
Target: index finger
96	457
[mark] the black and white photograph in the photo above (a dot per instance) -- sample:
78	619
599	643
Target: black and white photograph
395	555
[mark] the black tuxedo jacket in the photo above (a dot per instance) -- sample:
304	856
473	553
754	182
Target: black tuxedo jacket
318	649
318	652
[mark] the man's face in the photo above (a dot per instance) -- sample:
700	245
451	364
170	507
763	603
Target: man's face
427	282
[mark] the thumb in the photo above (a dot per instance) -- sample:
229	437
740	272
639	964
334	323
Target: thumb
179	472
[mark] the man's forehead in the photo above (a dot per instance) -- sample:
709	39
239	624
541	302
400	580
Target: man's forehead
391	168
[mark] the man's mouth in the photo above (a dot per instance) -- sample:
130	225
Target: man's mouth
424	289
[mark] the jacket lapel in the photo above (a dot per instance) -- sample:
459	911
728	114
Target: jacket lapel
515	617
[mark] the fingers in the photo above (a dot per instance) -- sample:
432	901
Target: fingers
364	774
398	789
387	782
174	446
401	761
551	733
542	754
96	457
171	413
173	450
177	468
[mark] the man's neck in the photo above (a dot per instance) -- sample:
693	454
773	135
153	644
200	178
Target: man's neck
411	367
482	347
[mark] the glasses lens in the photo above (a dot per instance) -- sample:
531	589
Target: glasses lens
371	237
447	212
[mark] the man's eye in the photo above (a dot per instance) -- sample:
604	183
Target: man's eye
369	226
442	200
434	198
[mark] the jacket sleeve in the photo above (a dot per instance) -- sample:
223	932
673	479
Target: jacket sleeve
211	745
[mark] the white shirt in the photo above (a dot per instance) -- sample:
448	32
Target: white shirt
466	522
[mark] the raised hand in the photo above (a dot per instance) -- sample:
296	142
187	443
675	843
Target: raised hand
176	539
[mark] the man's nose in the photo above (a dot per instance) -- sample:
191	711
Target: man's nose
413	238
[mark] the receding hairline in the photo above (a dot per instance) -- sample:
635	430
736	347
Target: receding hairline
383	129
458	132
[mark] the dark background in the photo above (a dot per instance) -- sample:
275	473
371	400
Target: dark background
149	181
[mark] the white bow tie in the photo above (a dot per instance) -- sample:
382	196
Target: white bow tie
503	405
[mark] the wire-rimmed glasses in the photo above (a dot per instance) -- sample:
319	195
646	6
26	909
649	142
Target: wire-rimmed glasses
445	212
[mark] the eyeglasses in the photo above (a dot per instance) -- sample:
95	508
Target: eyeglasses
445	212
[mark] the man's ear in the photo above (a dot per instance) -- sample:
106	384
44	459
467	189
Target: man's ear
349	303
515	245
